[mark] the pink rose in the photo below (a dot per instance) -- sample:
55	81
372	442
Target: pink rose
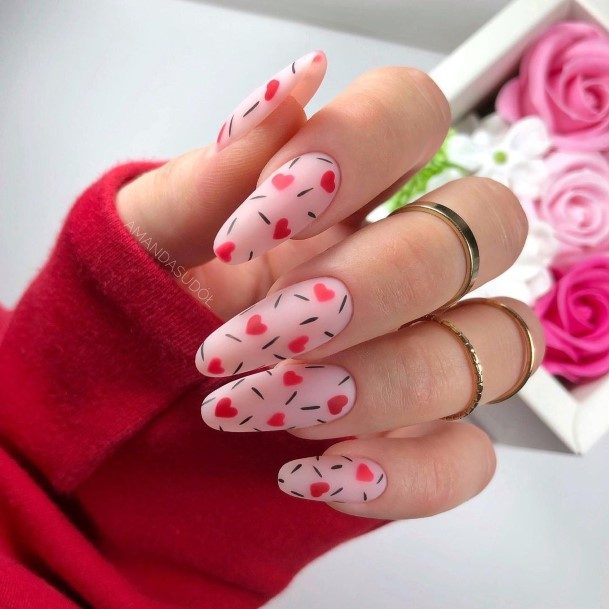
575	317
575	202
564	79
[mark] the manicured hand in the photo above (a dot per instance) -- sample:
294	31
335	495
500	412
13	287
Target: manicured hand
268	219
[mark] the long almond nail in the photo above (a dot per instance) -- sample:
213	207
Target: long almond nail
285	324
285	203
294	395
300	79
333	478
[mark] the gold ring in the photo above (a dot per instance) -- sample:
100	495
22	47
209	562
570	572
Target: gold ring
466	237
529	360
476	368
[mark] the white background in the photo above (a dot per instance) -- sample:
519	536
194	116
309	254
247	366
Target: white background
87	84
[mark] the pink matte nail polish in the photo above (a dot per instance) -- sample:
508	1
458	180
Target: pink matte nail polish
333	478
300	79
285	324
285	203
289	396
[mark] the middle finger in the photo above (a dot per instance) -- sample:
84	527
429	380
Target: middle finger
379	278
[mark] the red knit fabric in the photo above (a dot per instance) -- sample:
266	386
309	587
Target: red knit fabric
113	493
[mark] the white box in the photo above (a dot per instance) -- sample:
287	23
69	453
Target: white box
579	417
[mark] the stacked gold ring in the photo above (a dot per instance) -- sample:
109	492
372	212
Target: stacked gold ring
472	262
476	367
466	237
529	361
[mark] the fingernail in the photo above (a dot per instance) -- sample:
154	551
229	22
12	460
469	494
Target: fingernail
333	478
300	79
290	396
285	324
285	203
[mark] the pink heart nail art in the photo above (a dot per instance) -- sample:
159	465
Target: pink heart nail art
289	396
333	478
283	205
289	322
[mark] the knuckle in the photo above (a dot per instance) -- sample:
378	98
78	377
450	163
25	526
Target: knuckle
515	220
444	483
388	97
439	489
431	93
417	369
169	175
502	210
370	107
534	324
485	457
422	266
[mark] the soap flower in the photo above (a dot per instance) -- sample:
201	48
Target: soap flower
575	318
564	79
575	202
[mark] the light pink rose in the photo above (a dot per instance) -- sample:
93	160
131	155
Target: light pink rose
564	79
575	202
575	318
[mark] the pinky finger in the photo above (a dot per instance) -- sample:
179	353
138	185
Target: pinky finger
396	477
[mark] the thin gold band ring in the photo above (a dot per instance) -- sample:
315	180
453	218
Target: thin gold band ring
529	344
466	237
476	367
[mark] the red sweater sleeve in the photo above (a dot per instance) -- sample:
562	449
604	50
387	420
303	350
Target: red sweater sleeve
97	381
101	341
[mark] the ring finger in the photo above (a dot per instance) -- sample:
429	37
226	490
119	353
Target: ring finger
420	373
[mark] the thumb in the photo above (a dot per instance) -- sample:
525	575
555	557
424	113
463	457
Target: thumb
182	204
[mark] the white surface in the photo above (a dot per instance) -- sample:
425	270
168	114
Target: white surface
439	25
431	24
87	84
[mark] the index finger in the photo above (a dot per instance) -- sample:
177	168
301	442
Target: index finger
386	123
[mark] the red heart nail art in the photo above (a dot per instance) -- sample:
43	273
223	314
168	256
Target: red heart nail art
298	344
292	197
225	250
322	293
319	488
364	473
277	420
271	89
332	478
337	403
255	326
224	410
327	181
281	229
282	180
291	378
296	323
300	77
215	366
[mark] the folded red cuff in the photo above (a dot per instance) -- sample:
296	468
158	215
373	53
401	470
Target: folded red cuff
103	339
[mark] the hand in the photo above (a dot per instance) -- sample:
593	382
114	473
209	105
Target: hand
289	195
